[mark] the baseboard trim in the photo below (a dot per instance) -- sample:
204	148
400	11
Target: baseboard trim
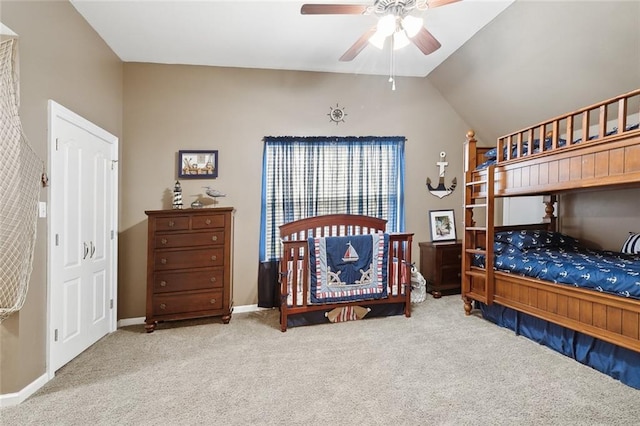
11	399
248	308
130	321
236	310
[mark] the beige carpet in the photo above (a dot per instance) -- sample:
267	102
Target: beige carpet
436	368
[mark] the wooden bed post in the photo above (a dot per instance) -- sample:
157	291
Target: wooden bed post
550	218
470	151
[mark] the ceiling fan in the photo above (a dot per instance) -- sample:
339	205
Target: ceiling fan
395	21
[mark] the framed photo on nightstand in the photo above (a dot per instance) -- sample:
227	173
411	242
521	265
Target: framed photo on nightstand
442	225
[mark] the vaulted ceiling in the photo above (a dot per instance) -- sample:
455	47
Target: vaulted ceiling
273	34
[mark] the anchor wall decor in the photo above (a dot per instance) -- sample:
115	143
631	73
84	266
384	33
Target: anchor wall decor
441	190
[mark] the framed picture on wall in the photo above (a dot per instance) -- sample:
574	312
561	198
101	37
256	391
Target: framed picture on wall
197	164
443	225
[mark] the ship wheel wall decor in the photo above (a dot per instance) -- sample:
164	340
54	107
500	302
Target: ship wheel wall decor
337	114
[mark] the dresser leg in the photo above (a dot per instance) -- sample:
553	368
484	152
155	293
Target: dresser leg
436	294
150	326
226	319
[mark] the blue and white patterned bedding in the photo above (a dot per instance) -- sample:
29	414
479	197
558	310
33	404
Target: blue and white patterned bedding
561	259
491	155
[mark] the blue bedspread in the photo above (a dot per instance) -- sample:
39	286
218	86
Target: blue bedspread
569	263
348	268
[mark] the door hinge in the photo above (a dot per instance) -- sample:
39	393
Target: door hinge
57	239
111	304
55	335
113	163
112	234
56	144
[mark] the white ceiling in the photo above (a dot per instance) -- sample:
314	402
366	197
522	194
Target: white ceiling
271	34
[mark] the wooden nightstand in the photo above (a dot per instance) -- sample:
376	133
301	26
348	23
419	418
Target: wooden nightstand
440	265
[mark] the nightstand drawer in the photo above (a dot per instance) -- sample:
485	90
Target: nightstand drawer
451	255
451	275
190	302
166	282
189	240
183	259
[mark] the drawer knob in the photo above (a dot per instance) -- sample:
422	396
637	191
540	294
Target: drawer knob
171	223
214	257
214	238
163	306
208	221
163	261
213	279
213	301
163	283
163	241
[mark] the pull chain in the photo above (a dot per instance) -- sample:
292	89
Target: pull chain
392	79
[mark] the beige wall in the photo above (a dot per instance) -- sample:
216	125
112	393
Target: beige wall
173	107
538	60
61	58
500	81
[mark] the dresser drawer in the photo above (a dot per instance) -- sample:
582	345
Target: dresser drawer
179	259
191	302
171	240
180	223
166	282
205	222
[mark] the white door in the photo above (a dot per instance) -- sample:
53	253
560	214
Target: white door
82	230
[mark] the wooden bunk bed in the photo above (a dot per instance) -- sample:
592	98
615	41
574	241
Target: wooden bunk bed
596	147
299	292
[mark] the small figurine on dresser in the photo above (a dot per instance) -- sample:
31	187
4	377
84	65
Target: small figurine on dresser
177	196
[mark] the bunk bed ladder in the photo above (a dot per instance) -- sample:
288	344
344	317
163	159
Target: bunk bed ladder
478	240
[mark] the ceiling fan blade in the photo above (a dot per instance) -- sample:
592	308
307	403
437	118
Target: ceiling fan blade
438	3
426	42
360	44
333	9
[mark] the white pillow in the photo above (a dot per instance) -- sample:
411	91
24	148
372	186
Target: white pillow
632	245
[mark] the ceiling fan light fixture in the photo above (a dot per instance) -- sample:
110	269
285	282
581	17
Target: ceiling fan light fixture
387	25
378	39
400	40
412	25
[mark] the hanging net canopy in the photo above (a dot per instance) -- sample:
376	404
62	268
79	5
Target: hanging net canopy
20	171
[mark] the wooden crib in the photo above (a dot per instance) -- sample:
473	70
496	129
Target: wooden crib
297	307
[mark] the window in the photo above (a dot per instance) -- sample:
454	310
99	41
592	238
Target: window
304	177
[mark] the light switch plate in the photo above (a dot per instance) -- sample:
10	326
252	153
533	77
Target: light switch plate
42	209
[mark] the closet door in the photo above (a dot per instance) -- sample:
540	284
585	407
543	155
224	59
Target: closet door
82	269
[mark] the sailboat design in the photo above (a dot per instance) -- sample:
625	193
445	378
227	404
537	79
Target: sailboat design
350	255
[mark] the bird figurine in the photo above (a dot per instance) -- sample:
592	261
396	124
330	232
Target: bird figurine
213	193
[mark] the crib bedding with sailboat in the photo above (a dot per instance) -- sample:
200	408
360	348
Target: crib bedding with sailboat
343	267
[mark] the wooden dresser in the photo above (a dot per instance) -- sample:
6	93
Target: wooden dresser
189	264
440	265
